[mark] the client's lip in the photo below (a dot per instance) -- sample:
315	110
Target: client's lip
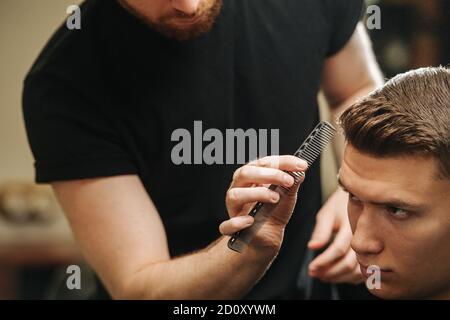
383	271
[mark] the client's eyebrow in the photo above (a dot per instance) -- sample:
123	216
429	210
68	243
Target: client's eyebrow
394	203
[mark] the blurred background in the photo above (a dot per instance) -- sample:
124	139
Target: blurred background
36	245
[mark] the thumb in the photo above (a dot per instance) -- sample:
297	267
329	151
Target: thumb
323	230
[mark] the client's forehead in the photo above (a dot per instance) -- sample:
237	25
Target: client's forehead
410	178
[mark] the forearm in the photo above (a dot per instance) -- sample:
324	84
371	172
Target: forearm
213	273
349	75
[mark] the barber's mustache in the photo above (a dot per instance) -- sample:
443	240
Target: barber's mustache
202	9
183	15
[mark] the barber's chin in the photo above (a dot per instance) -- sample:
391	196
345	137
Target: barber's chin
186	30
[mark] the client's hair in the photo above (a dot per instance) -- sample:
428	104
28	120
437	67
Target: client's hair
410	114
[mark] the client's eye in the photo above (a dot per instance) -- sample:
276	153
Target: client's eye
398	213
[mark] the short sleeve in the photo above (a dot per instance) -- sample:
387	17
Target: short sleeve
70	136
344	15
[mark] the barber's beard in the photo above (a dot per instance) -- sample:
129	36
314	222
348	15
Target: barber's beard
174	25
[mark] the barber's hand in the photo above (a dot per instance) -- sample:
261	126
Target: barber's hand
249	186
337	264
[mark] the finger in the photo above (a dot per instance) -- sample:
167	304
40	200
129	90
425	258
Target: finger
339	270
287	162
338	249
247	175
238	197
235	224
354	277
292	191
323	229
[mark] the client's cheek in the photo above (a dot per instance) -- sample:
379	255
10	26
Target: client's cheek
410	265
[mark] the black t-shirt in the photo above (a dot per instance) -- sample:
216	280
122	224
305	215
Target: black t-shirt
105	99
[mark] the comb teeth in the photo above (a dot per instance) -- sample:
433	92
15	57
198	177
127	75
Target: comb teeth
316	141
297	177
311	148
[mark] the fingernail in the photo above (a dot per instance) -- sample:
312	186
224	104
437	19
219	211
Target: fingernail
288	180
274	197
315	243
247	220
302	164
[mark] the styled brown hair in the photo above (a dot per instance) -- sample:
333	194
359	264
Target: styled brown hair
410	114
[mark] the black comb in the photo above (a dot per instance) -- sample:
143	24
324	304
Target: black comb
308	151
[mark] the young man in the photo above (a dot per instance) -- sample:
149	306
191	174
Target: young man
101	105
396	170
